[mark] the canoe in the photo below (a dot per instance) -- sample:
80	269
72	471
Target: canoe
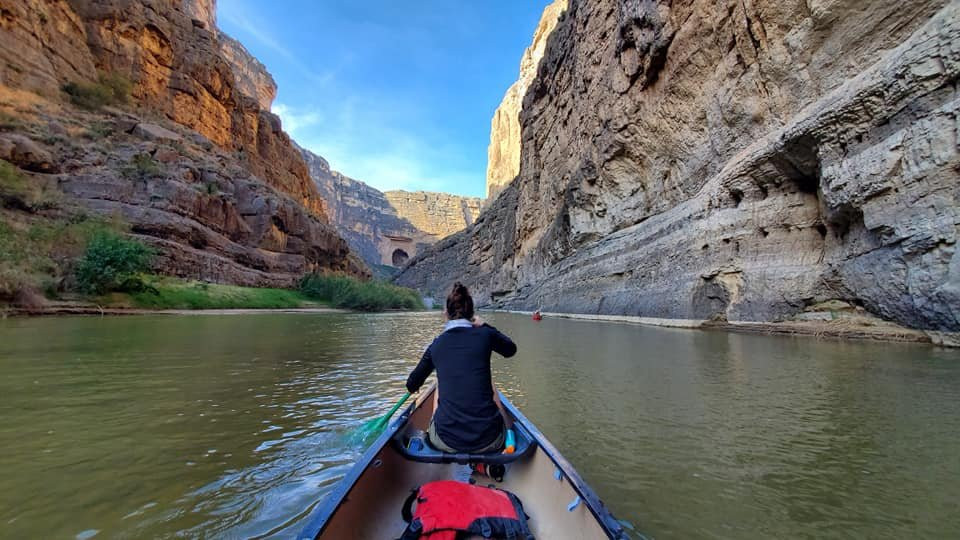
367	502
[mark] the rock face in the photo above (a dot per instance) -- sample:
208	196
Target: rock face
203	11
387	228
179	71
503	154
730	160
42	45
252	78
437	214
232	199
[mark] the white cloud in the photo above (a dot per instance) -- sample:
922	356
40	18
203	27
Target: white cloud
378	137
394	161
295	121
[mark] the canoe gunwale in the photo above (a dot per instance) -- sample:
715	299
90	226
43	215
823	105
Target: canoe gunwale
322	514
610	525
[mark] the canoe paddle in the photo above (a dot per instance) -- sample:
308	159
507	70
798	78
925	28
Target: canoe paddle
373	427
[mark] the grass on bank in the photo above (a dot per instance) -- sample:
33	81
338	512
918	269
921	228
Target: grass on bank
351	293
39	255
171	293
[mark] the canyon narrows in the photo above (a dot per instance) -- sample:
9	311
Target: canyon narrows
738	161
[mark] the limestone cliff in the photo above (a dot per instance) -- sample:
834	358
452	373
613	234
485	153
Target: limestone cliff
252	78
179	71
203	11
503	154
437	214
730	160
219	185
387	228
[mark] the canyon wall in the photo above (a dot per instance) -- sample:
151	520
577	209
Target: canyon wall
219	187
204	11
729	160
387	228
437	214
251	77
503	154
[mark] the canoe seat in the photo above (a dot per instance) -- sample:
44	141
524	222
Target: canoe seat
412	444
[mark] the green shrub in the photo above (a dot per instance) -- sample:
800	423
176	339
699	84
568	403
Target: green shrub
8	122
97	130
39	253
19	193
10	178
141	167
110	89
348	292
112	262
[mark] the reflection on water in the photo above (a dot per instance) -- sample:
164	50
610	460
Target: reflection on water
233	426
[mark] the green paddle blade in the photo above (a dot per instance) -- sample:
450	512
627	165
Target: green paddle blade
372	428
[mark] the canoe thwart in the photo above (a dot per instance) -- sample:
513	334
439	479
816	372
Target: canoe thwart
412	444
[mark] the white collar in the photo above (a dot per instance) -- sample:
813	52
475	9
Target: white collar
457	323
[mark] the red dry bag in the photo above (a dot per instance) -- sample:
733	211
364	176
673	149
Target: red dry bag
448	507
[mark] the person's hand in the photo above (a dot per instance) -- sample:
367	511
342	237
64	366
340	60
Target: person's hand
477	321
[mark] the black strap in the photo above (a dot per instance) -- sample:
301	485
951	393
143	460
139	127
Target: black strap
413	530
407	511
521	515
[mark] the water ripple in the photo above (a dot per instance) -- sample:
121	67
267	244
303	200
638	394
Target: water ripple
238	426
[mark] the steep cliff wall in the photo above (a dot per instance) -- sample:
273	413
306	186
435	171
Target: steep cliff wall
730	160
196	166
252	78
387	228
179	71
43	45
437	214
204	11
503	154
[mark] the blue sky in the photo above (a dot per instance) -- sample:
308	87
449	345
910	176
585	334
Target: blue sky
397	94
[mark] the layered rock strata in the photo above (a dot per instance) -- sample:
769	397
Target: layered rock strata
437	214
231	199
503	154
730	160
252	78
387	228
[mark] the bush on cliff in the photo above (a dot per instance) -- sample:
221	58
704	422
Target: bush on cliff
17	192
348	292
110	89
112	262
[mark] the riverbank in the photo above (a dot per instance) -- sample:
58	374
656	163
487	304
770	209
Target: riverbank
169	295
855	328
64	309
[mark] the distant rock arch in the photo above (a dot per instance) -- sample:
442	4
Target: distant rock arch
399	257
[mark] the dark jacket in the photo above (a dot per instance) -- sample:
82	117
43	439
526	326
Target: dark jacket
466	419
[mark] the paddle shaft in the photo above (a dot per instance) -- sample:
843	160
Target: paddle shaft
399	404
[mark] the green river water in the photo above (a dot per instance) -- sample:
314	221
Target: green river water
233	426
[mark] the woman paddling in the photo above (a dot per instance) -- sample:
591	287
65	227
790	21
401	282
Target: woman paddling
468	416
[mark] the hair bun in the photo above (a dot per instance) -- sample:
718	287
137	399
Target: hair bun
459	302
